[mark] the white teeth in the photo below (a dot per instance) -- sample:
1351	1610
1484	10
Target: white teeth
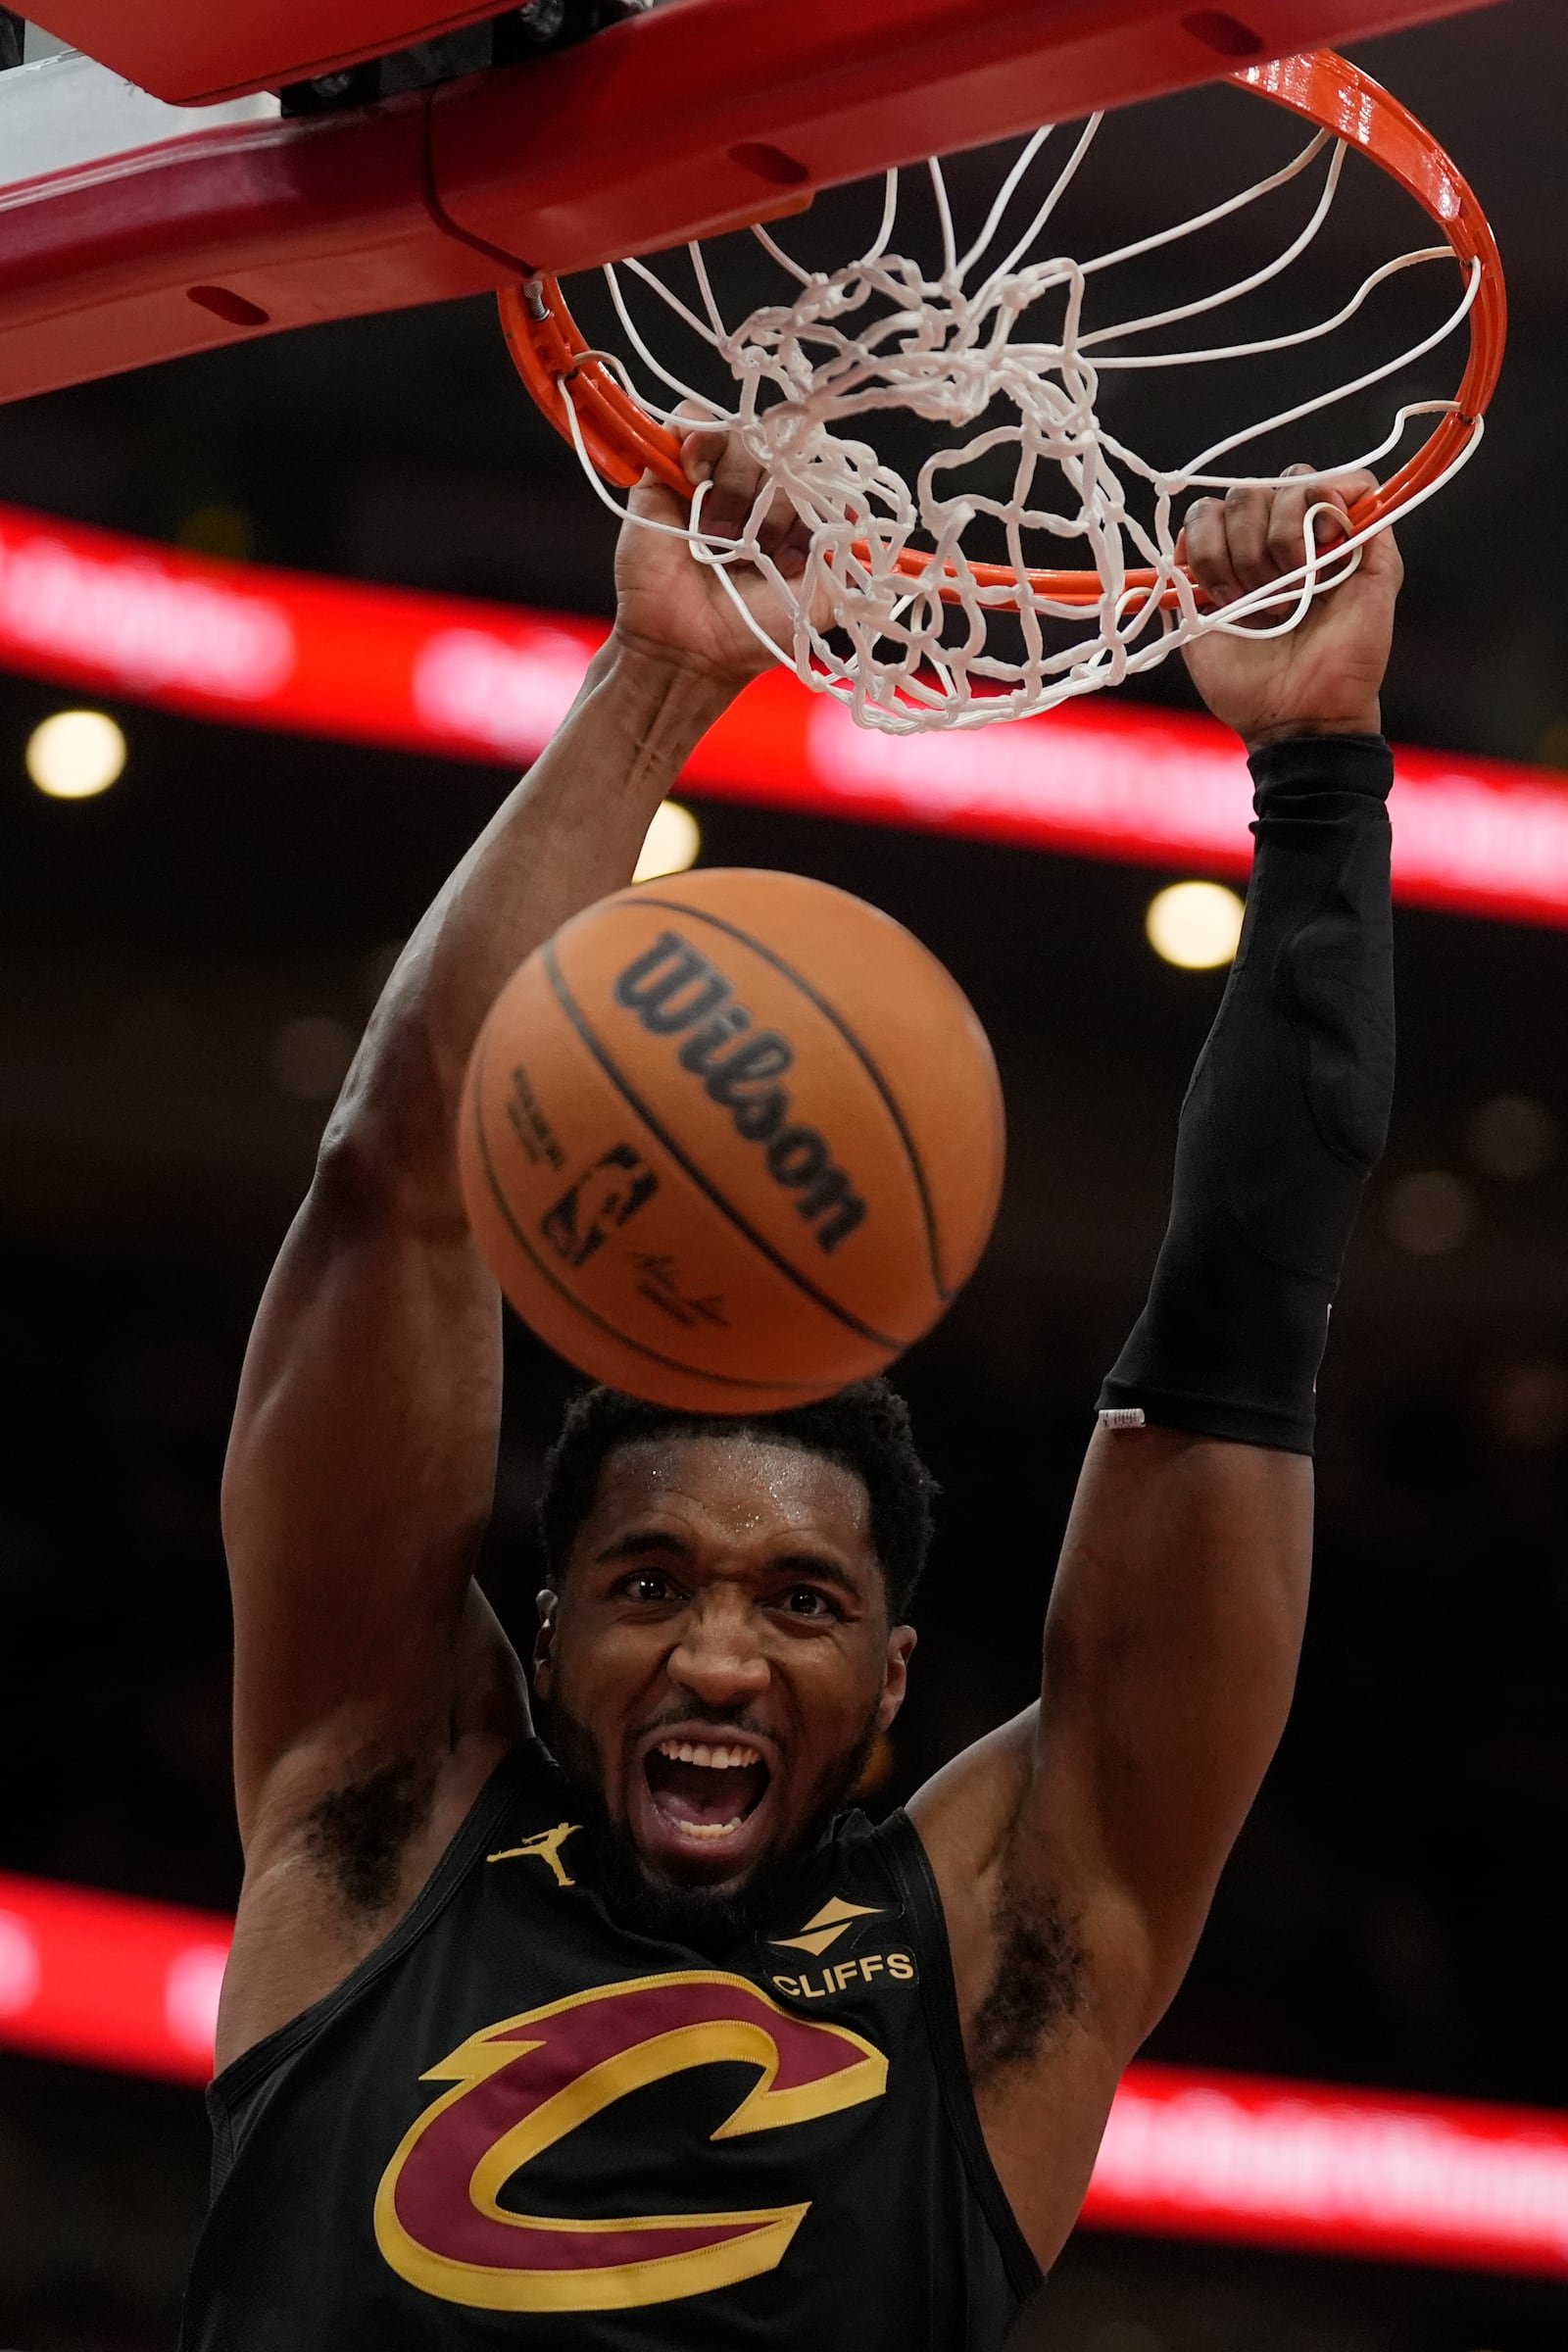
716	1759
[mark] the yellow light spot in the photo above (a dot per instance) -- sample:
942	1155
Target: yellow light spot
1513	1137
1429	1213
75	754
216	532
1529	1407
1195	926
673	842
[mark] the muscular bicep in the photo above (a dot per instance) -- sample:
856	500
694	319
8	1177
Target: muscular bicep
358	1485
1170	1655
1096	1825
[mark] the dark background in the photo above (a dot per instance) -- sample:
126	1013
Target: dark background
1387	1918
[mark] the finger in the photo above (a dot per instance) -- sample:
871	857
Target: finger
651	500
702	450
1348	490
1247	510
1289	508
781	529
1206	549
700	453
1303	492
793	550
736	479
1382	561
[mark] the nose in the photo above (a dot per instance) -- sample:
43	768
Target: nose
718	1657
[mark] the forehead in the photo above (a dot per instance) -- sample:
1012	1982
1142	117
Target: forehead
744	1489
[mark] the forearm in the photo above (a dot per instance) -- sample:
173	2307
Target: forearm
565	836
1284	1119
1176	1615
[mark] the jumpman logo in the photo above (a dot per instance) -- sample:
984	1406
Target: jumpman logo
546	1847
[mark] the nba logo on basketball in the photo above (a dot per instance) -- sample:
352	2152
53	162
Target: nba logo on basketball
614	1189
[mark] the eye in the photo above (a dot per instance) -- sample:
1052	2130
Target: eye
805	1600
648	1585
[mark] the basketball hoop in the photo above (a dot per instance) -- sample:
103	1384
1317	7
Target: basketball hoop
894	614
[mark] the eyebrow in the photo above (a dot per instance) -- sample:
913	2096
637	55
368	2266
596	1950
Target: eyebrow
647	1543
817	1565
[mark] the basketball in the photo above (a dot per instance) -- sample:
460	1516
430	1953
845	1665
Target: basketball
732	1141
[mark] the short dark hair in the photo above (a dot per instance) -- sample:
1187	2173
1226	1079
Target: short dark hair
866	1428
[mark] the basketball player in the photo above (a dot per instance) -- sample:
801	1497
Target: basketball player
643	2045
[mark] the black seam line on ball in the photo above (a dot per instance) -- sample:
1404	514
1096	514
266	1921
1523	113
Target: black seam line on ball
671	1363
841	1314
916	1170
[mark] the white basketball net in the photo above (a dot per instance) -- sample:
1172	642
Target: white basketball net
883	333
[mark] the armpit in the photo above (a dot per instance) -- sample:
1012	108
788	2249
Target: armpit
1038	1982
356	1836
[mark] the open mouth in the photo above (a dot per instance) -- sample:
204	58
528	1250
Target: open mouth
704	1793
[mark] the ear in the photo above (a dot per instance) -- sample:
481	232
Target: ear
895	1673
544	1641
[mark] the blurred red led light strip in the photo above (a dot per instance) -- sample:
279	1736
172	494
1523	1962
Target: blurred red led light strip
1105	779
135	1986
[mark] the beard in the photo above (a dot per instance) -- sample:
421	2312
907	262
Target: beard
712	1920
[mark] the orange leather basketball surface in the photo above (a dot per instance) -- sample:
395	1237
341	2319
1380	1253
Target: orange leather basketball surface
732	1140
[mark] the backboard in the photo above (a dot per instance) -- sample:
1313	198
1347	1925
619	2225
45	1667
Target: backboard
172	236
189	52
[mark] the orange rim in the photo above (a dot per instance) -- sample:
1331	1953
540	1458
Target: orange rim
624	442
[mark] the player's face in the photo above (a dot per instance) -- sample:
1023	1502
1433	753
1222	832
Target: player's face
721	1646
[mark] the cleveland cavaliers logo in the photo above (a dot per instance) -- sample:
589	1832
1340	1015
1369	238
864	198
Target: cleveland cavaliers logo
520	2087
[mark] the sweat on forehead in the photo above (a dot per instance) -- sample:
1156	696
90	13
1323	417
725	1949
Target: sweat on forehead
864	1430
741	1476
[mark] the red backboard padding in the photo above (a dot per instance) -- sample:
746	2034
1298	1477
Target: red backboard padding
188	50
667	126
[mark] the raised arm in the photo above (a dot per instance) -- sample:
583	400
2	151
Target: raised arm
1078	1848
374	1689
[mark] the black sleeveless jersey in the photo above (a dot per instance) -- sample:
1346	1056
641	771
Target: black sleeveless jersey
519	2122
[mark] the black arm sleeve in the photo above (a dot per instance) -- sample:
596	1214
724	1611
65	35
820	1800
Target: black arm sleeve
1285	1117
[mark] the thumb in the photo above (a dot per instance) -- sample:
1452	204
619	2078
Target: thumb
1382	561
650	500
